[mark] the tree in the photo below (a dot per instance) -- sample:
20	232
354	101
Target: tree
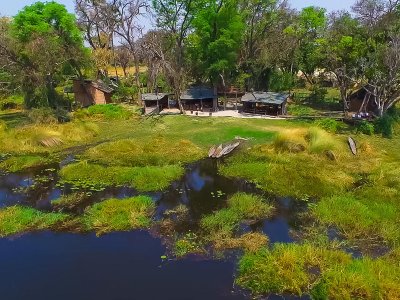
263	19
175	19
97	20
308	28
123	58
341	50
44	44
128	28
217	39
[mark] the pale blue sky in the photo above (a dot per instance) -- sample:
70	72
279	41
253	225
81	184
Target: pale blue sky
11	7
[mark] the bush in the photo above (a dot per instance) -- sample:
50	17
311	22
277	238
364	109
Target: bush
47	115
281	81
330	125
318	94
43	115
12	102
384	126
124	93
366	127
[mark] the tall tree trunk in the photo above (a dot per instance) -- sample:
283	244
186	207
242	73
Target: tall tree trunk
137	79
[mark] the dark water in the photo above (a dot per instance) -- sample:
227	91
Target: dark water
115	266
126	265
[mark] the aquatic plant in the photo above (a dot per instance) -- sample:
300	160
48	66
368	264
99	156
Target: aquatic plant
188	244
119	214
18	219
249	242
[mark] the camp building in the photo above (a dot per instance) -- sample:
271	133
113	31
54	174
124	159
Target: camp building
267	103
199	98
89	92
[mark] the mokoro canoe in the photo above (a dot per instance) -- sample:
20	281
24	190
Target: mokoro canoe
352	145
212	151
228	149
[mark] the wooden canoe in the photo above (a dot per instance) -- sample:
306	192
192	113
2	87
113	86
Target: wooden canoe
352	145
228	149
217	151
212	151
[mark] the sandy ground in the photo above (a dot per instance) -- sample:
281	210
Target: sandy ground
222	113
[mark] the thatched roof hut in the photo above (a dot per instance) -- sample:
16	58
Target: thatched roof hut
199	98
268	103
89	92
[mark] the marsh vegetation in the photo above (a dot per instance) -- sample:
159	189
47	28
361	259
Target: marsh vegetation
127	174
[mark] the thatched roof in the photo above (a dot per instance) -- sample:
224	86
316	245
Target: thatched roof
98	84
198	93
266	97
153	96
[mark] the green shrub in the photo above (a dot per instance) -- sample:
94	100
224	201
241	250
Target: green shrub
366	127
281	81
318	94
12	102
329	124
43	115
384	125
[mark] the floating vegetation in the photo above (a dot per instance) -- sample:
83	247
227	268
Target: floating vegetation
119	215
188	244
18	219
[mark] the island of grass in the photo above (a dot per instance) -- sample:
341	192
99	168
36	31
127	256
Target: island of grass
119	214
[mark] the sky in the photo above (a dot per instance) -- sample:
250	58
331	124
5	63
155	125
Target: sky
11	7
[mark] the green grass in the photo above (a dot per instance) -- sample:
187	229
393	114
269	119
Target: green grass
360	219
144	179
323	273
145	152
296	164
223	223
119	214
18	219
104	111
19	163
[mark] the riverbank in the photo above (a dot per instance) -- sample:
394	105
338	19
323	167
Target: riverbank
286	192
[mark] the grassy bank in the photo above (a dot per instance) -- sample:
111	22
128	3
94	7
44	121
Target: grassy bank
353	195
18	219
322	273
